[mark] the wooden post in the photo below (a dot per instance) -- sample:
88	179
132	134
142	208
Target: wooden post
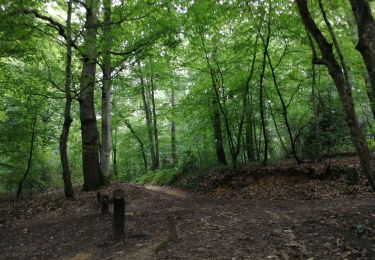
105	203
118	223
99	196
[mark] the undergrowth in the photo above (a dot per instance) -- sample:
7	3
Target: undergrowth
159	177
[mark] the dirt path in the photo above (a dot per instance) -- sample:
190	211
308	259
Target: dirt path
206	228
172	192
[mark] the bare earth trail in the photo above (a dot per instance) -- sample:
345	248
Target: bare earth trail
207	228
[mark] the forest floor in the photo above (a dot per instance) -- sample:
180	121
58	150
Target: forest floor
247	216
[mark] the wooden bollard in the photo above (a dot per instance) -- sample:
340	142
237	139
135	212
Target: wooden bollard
99	196
118	223
104	201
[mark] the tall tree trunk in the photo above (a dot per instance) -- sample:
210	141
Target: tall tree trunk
155	123
366	36
92	175
19	190
345	93
173	128
68	187
147	110
106	90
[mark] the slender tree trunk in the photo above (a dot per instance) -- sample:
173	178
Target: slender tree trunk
106	90
366	36
139	140
215	109
148	119
19	190
284	111
261	104
255	138
249	141
337	74
218	135
68	187
173	128
319	152
277	129
92	175
155	124
115	172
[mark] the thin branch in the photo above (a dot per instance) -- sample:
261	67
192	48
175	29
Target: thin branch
60	28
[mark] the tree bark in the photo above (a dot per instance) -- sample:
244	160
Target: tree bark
366	36
345	93
106	90
173	128
68	187
92	175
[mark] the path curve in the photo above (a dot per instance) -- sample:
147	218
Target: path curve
176	193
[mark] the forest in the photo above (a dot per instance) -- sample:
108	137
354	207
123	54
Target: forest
235	129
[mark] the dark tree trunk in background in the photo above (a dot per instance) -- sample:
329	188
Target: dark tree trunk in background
106	90
147	110
318	152
92	175
68	187
155	123
249	141
366	36
114	145
32	142
261	103
345	93
284	112
173	128
218	135
139	140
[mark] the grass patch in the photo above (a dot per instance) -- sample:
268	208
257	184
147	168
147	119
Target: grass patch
159	177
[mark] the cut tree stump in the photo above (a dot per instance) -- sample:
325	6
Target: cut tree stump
118	223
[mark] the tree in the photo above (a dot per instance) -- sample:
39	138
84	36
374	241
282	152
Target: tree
68	187
106	89
93	177
336	71
366	36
